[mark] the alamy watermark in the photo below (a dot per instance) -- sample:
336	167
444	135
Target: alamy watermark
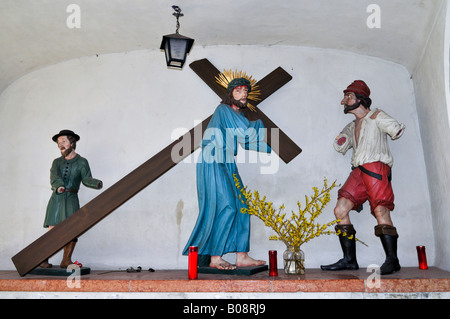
374	19
373	281
74	279
73	21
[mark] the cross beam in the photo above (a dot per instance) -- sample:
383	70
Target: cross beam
284	147
110	199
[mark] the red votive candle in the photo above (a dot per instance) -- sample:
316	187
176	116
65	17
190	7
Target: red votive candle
422	257
193	262
273	268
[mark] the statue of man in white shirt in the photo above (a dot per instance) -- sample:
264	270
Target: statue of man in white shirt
370	178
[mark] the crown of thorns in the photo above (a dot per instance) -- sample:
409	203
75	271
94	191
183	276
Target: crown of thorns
231	79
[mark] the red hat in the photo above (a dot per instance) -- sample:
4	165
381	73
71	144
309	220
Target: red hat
359	87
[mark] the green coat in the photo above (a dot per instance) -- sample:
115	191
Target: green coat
70	174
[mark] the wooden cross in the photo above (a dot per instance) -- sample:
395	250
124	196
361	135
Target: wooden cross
110	199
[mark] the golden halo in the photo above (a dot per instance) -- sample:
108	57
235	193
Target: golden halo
227	76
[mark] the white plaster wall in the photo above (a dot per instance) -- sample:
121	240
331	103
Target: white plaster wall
126	106
432	93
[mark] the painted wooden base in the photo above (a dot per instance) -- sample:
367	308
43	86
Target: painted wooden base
243	271
58	271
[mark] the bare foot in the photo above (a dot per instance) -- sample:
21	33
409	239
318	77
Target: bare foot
219	263
244	260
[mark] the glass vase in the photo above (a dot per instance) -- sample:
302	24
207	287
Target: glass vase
294	261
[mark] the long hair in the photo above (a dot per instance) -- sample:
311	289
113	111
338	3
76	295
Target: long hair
229	100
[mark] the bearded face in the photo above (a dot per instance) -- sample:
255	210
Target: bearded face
349	108
64	145
239	104
237	97
67	151
350	102
240	94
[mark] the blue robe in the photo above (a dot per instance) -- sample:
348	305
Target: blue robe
221	227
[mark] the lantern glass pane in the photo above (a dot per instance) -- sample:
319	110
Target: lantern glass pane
177	48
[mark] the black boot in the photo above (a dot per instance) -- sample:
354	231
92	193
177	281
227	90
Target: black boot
348	248
388	236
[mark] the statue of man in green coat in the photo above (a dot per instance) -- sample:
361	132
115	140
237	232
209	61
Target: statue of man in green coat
66	175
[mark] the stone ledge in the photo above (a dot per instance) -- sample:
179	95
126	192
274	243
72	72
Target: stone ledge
408	280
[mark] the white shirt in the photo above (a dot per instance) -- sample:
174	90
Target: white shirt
372	145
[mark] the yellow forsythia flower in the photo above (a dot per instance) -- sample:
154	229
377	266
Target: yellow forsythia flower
298	228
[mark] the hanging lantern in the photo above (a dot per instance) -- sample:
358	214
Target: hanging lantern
176	46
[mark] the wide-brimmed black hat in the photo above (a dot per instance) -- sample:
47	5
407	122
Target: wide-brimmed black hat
66	133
